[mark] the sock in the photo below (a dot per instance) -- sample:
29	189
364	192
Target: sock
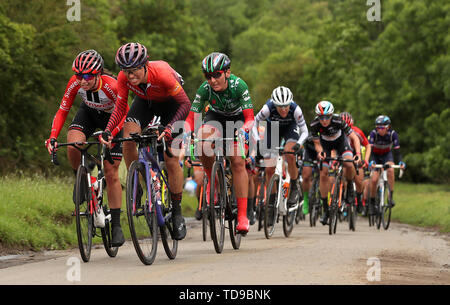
242	207
176	202
325	204
305	198
115	217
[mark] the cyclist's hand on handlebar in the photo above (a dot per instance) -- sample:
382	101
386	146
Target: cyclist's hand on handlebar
105	138
51	145
365	164
372	164
321	155
357	159
402	164
167	133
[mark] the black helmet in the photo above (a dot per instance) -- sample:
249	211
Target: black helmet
215	62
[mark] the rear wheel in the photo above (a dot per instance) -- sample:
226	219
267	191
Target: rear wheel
232	221
170	245
83	213
106	235
141	214
205	212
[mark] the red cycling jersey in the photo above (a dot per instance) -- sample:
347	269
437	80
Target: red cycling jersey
163	84
102	99
362	138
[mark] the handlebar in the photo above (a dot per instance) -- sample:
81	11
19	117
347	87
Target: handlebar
338	159
386	166
142	137
238	137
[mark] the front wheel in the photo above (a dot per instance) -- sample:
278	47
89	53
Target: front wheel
386	212
84	213
271	208
141	214
217	209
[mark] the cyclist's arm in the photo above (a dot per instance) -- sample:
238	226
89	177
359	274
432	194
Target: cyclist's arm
66	103
246	104
196	109
303	129
177	92
262	115
356	144
121	108
396	147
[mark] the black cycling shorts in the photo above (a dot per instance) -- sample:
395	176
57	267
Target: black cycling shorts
87	120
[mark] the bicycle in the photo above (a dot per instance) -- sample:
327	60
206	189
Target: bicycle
337	195
299	214
260	195
382	205
149	208
280	182
315	207
90	201
202	202
225	207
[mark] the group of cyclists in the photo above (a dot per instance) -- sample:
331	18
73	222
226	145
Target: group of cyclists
158	91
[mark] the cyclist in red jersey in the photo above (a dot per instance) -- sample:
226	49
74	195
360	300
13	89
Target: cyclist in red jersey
158	92
347	117
99	93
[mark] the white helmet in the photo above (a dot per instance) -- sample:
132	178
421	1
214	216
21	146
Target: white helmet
324	108
282	96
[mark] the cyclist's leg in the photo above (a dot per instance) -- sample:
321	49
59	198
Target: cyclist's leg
81	127
73	154
390	176
206	151
240	183
293	173
137	119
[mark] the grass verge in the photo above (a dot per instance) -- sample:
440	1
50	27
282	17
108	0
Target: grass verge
35	213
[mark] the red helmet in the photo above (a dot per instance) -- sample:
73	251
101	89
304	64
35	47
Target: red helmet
131	55
347	117
88	61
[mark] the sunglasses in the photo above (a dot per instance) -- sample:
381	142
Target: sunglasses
131	70
86	77
324	117
217	74
381	127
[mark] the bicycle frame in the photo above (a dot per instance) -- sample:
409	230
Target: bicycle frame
383	178
152	172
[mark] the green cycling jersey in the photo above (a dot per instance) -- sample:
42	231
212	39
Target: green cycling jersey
229	102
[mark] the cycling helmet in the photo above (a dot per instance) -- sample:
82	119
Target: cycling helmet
382	120
324	108
131	55
88	61
215	62
347	117
282	96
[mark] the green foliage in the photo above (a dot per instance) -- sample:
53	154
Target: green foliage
324	49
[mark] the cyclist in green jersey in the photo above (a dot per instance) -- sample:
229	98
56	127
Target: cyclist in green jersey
231	109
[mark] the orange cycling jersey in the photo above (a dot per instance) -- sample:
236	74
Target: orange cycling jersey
163	84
